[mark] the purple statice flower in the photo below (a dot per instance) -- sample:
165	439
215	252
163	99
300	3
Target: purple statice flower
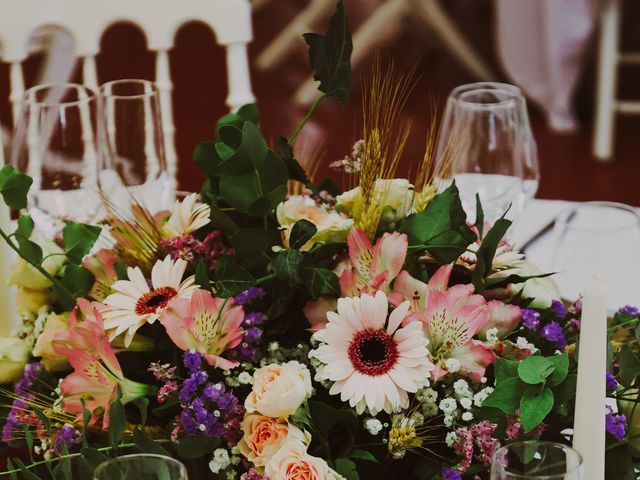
630	310
558	307
193	361
249	296
612	383
20	403
530	318
208	409
249	348
450	474
68	436
552	331
616	424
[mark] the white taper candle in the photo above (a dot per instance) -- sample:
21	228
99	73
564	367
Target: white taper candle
589	423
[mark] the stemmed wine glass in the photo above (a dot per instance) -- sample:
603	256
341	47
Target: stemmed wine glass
55	143
598	238
133	165
486	140
141	467
536	460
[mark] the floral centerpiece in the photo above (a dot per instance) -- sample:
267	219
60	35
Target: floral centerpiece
272	328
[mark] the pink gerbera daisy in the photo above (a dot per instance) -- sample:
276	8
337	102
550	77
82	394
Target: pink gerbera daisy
373	361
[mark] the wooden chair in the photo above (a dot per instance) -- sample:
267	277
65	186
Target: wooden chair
86	20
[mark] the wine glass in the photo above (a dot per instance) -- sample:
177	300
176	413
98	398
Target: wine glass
486	145
55	143
598	238
132	158
534	460
141	467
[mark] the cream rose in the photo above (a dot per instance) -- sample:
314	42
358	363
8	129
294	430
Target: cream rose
31	301
54	324
24	274
331	226
263	437
14	354
393	198
279	389
292	462
542	290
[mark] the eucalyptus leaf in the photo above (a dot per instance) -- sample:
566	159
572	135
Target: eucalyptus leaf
505	396
535	369
25	227
561	364
505	369
207	158
30	251
201	276
534	407
77	280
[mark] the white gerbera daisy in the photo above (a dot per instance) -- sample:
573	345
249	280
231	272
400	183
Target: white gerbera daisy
186	217
135	303
372	361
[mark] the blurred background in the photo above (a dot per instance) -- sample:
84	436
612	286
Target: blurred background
555	62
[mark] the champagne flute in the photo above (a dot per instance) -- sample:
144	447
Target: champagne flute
598	238
55	143
486	138
536	460
141	467
132	157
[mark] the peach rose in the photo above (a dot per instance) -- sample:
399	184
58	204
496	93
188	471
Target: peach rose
263	437
279	389
292	462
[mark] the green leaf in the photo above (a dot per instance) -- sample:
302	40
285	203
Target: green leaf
78	239
330	56
320	281
479	216
347	469
231	135
561	364
77	280
246	113
629	366
117	421
534	407
505	369
23	469
230	277
566	391
501	282
143	405
253	245
93	456
30	251
146	444
207	158
360	454
295	171
487	251
196	447
286	266
301	233
14	187
25	227
441	227
121	270
535	369
301	417
202	276
506	396
326	418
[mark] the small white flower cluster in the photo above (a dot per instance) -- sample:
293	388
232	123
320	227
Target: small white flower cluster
428	398
276	353
221	461
492	336
523	344
373	425
239	376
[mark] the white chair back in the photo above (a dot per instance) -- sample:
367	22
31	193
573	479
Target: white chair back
86	21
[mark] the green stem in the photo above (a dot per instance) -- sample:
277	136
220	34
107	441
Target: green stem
266	278
38	267
306	118
70	455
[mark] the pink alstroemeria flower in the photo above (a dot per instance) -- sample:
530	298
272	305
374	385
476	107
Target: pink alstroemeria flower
503	317
450	321
405	287
97	373
206	324
102	266
372	267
